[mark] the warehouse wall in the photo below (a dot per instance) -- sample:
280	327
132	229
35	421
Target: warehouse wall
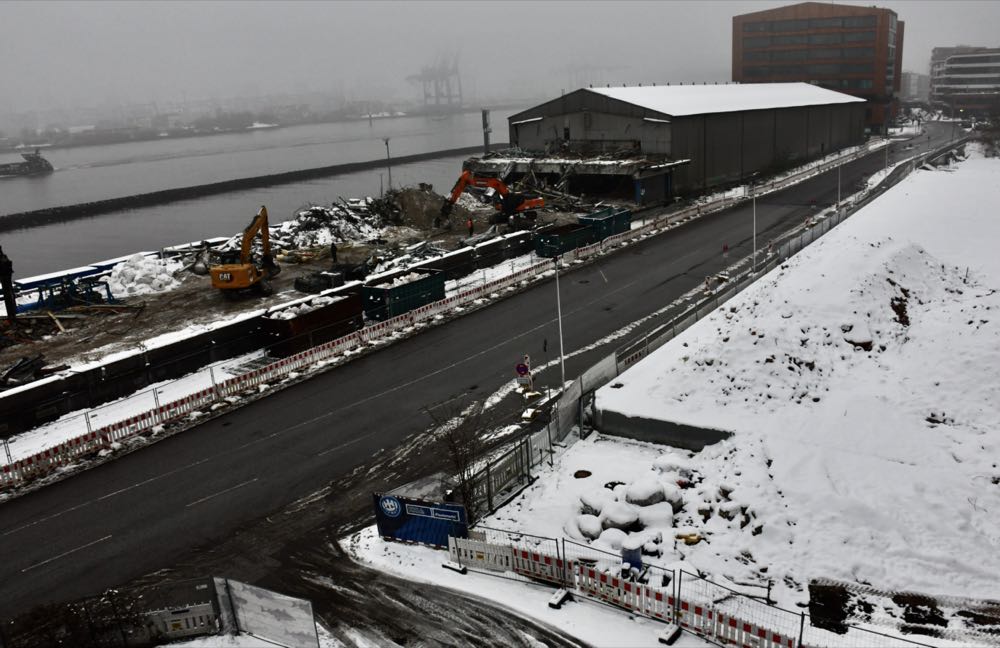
595	123
723	147
729	147
592	132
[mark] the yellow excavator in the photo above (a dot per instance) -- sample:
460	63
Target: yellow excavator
238	272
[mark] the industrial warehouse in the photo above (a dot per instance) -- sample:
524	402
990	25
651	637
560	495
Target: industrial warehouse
656	142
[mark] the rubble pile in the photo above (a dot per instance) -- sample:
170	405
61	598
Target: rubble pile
410	256
421	207
143	275
320	226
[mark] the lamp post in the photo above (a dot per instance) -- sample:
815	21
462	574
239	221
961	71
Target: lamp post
838	184
388	161
562	357
753	198
886	167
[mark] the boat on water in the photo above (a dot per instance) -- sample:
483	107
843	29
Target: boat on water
33	164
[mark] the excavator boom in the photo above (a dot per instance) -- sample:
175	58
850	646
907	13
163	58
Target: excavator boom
508	203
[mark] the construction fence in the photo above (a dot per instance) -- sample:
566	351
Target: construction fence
101	429
718	614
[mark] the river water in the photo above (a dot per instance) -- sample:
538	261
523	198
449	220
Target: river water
98	172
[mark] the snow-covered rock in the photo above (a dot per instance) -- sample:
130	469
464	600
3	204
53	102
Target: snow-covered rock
644	491
613	538
589	526
619	515
593	501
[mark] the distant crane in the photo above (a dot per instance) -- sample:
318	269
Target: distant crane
440	82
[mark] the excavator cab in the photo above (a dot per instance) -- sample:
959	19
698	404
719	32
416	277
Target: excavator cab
237	271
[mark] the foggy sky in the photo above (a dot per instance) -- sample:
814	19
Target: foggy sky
64	54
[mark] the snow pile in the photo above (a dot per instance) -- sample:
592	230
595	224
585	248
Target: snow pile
301	309
400	280
321	226
143	275
860	382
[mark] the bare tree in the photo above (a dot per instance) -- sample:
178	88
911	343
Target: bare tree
461	434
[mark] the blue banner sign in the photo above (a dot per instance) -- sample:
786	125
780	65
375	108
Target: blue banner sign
410	520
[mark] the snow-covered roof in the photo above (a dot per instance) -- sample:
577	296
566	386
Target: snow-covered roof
680	100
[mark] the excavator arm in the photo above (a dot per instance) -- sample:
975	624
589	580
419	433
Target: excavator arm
258	224
466	179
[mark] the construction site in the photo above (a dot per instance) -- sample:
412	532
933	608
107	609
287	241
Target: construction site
581	154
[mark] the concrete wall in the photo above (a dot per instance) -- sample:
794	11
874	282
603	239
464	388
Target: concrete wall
677	435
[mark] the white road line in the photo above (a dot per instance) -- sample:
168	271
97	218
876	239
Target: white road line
344	445
602	275
66	553
221	492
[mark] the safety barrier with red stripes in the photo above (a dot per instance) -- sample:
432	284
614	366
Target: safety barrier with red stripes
587	580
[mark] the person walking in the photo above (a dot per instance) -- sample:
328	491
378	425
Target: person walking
725	250
469	224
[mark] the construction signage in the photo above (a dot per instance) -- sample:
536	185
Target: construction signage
411	520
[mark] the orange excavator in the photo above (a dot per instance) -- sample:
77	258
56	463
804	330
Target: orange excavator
510	205
238	272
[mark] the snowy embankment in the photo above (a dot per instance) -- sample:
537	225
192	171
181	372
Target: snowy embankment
860	381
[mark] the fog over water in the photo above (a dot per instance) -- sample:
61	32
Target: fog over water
87	53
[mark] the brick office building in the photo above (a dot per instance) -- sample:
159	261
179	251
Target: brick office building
855	50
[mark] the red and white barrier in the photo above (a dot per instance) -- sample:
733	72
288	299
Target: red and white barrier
541	566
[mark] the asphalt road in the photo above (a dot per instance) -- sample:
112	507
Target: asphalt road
146	510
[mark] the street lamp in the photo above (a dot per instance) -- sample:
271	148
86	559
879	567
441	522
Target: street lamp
388	161
885	168
838	183
753	197
562	357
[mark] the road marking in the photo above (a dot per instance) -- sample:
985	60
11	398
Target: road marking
602	275
344	445
221	492
66	553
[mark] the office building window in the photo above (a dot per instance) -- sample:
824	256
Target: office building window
825	23
859	37
859	52
860	21
756	41
789	25
790	40
824	39
756	27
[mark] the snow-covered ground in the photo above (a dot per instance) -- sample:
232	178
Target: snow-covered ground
860	380
594	623
326	640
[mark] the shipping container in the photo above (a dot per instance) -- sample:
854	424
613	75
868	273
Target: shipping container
386	296
608	222
562	240
453	265
295	327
